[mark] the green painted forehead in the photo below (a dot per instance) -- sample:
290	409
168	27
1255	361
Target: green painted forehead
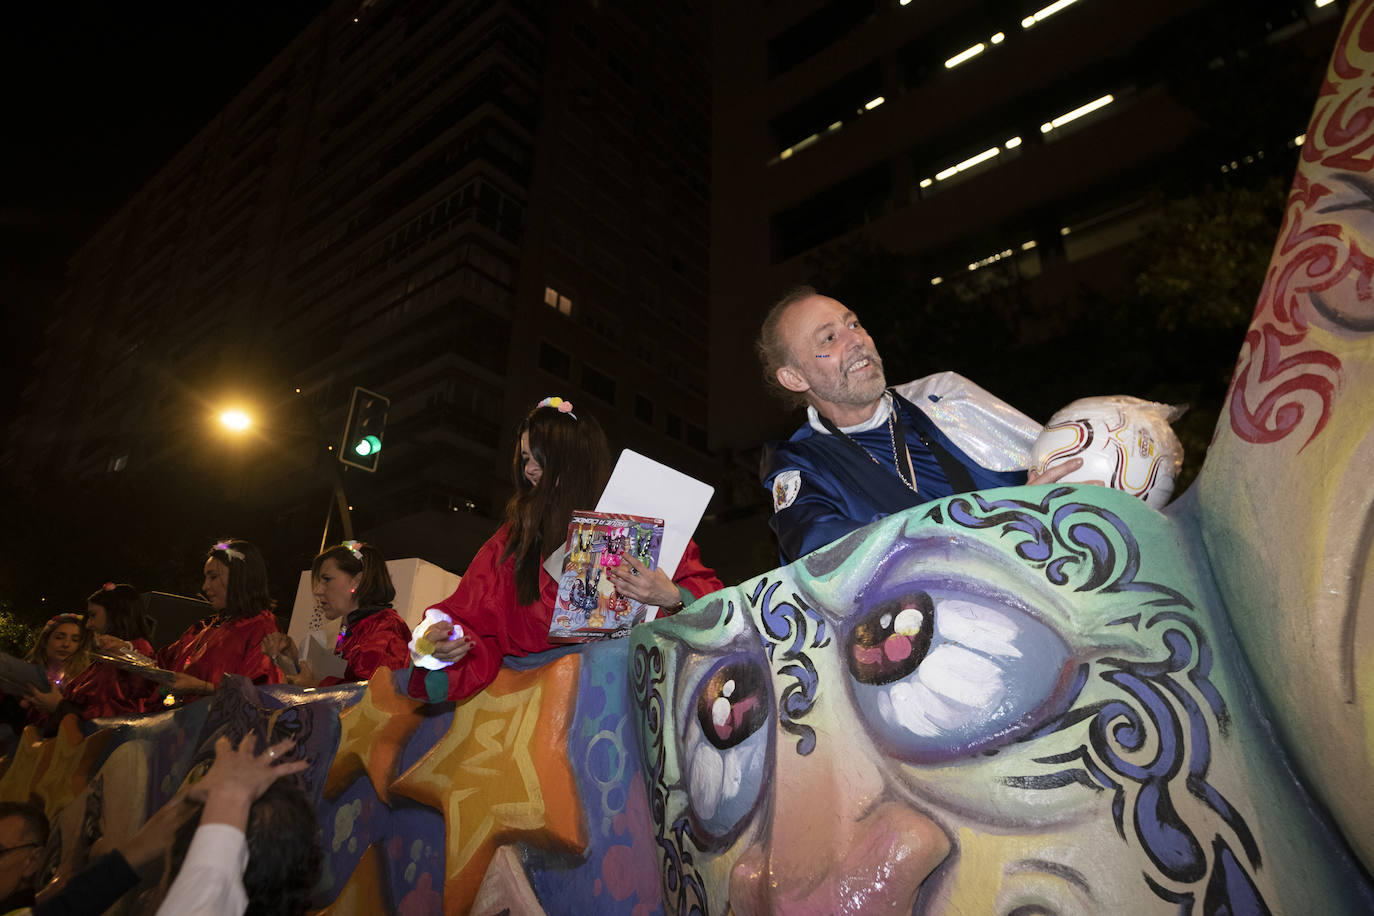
1077	556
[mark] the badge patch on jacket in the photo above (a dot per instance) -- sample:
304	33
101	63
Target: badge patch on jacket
786	486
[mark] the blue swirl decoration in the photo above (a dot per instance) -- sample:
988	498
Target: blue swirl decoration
1154	739
790	628
1074	542
683	890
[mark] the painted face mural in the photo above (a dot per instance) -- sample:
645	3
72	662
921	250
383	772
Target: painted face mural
1018	705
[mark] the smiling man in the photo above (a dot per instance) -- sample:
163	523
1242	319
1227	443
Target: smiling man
867	450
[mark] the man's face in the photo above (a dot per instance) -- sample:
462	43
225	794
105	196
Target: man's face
833	360
20	856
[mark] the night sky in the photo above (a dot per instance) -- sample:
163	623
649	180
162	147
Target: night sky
98	96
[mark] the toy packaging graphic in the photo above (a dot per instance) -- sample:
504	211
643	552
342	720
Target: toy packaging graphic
588	605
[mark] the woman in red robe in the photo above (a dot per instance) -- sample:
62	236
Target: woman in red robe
230	642
115	618
350	580
504	602
62	650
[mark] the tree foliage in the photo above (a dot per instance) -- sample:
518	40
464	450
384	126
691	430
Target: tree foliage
16	635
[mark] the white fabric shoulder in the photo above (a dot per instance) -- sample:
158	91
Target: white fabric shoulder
878	418
988	429
210	882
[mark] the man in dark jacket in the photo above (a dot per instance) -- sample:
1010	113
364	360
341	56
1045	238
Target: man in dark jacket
867	450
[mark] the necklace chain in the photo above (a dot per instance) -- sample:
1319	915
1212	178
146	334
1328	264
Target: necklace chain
896	461
892	437
908	482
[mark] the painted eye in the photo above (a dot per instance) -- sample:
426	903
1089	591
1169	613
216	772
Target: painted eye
726	744
731	705
891	642
940	674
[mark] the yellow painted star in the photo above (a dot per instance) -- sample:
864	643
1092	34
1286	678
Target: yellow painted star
501	774
72	761
372	734
24	766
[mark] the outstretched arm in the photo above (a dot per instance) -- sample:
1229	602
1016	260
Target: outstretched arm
210	882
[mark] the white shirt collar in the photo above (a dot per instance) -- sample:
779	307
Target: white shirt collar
878	419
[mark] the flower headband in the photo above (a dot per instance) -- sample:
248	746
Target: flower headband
223	547
558	404
355	548
64	617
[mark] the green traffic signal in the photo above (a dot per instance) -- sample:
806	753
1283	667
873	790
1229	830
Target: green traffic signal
361	445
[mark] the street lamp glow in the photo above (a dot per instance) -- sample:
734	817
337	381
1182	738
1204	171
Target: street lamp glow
236	420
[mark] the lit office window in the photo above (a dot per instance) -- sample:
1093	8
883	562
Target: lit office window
554	299
1045	13
1077	113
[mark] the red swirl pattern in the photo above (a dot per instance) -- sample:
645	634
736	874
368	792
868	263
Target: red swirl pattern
1320	273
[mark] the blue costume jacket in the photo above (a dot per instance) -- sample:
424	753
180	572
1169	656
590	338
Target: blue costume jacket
833	490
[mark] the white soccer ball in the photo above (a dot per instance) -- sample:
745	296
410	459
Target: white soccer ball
1126	443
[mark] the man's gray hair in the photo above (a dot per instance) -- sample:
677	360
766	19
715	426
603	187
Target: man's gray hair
772	349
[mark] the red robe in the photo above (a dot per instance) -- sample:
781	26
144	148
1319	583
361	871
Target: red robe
379	640
103	689
211	649
485	606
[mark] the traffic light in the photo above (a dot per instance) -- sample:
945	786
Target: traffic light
362	441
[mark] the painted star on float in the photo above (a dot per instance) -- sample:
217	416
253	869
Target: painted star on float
24	765
502	774
372	734
69	767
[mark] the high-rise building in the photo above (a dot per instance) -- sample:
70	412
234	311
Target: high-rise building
465	205
1022	134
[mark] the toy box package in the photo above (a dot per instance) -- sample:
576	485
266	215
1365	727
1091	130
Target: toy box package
588	605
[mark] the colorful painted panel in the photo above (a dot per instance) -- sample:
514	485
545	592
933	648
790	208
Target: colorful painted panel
1286	499
1025	701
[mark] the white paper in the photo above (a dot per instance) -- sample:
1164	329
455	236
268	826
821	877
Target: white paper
323	662
554	564
642	486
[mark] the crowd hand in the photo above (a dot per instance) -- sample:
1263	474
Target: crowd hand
304	677
46	700
238	777
155	837
633	580
445	649
1050	475
274	644
186	683
281	649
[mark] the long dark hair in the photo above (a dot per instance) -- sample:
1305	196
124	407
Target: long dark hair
575	462
374	582
124	612
247	593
